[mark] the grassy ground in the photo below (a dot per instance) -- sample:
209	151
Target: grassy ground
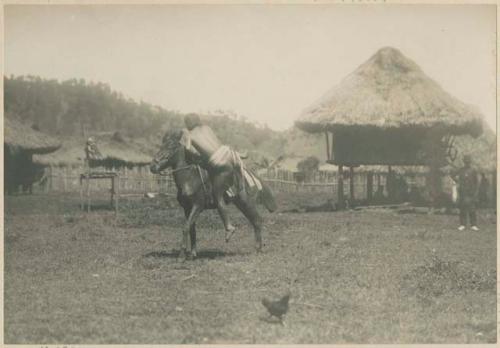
355	277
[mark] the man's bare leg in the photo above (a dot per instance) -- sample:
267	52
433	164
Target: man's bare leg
221	182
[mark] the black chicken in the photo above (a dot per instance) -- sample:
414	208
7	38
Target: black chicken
277	308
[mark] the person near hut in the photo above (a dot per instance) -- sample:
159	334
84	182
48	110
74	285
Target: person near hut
91	150
466	177
222	163
483	191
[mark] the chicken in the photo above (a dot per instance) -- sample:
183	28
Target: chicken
277	308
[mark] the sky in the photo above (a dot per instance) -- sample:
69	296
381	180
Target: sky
264	62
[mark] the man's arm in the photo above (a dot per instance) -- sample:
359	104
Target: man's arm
186	142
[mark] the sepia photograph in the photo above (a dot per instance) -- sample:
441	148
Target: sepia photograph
266	173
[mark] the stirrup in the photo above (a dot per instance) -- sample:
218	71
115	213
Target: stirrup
243	155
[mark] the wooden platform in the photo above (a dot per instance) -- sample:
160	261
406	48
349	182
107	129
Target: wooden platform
114	191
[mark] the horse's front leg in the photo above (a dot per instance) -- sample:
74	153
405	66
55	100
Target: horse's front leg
188	227
192	233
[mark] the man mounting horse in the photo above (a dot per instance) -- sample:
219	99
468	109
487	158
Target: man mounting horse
224	165
195	190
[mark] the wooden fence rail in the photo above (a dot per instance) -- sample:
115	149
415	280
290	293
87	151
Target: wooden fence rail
141	181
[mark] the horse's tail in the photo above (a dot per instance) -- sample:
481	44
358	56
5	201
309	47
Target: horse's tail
264	194
267	198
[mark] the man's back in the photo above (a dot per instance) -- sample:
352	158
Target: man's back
204	140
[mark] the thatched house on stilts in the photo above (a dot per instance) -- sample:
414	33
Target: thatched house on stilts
388	112
21	142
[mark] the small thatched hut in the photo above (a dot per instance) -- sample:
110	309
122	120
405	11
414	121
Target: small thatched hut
117	151
387	112
21	142
120	155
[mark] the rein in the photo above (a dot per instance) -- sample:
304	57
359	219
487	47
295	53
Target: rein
188	167
172	171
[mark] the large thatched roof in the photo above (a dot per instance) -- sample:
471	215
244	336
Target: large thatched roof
390	90
20	136
115	149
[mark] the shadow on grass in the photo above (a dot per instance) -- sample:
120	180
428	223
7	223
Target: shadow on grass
97	207
271	320
210	254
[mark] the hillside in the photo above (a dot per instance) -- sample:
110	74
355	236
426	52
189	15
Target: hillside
78	107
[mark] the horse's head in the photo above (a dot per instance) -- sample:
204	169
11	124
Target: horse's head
169	148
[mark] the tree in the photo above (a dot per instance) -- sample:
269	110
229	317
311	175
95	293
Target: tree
308	166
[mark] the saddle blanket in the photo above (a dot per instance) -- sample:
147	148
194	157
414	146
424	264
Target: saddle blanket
224	156
251	181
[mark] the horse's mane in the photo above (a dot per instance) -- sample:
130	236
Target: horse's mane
171	139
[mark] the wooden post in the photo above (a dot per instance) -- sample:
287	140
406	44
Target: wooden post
389	183
112	191
117	193
369	186
332	153
351	183
88	193
340	187
81	192
127	174
65	175
51	174
46	181
327	146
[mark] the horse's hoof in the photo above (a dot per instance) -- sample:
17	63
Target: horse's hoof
194	254
229	234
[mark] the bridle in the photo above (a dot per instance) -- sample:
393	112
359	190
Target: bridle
189	166
172	171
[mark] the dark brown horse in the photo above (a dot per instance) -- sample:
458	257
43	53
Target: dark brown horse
194	192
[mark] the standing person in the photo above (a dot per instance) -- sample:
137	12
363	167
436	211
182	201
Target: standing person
223	164
467	193
483	191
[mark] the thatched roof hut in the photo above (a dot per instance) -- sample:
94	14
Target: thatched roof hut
21	142
389	91
18	136
388	112
117	151
383	111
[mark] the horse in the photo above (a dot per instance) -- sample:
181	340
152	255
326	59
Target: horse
194	192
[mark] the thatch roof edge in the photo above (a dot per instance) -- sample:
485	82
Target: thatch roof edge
18	135
389	90
72	153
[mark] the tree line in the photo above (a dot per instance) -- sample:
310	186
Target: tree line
76	107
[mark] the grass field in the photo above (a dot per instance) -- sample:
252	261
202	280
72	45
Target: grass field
355	276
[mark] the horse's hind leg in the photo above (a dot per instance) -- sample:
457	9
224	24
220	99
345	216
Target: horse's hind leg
249	209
